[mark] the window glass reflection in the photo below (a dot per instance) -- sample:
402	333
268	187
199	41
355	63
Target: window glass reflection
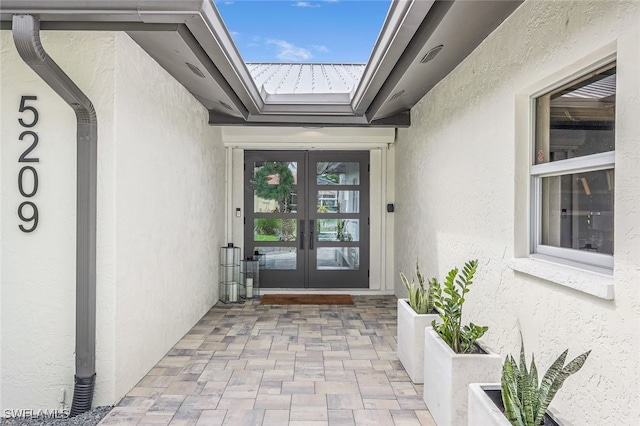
338	202
338	173
338	258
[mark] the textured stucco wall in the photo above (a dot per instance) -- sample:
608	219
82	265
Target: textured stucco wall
455	201
170	197
38	269
160	220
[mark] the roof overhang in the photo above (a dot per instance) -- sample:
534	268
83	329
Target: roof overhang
189	39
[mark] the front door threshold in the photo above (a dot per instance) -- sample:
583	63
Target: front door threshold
353	292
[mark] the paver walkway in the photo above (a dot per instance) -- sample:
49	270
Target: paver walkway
281	365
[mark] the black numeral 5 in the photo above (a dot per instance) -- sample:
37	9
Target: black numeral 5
24	107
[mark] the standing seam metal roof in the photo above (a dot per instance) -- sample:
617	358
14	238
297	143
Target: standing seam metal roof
286	79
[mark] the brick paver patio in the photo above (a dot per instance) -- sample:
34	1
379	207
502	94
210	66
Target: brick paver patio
281	365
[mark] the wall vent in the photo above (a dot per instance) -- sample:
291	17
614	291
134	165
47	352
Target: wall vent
226	105
195	70
431	54
396	95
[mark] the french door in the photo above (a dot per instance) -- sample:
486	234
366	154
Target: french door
307	212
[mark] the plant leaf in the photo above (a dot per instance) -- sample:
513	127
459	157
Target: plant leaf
548	379
512	406
572	367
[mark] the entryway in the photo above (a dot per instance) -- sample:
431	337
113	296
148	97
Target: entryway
308	213
266	365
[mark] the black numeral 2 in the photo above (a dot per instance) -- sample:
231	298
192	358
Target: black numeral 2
23	158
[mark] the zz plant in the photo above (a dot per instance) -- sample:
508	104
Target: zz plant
420	296
460	338
525	402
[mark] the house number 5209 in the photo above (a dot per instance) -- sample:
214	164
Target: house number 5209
28	175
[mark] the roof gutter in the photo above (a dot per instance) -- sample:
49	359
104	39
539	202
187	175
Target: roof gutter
26	35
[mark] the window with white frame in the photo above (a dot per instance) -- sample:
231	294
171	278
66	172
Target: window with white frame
572	171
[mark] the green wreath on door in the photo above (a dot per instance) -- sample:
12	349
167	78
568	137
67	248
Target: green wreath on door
280	191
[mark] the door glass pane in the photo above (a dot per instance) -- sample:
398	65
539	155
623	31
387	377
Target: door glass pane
338	258
338	230
338	202
338	173
268	229
289	205
278	257
577	211
274	184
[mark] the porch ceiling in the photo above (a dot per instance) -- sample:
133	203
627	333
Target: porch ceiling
189	39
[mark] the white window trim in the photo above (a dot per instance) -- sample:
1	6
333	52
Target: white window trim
587	163
578	276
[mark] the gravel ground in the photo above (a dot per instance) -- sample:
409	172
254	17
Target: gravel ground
90	418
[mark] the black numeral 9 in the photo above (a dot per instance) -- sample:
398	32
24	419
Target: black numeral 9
30	218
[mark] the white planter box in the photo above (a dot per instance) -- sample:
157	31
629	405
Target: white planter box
447	376
482	410
411	328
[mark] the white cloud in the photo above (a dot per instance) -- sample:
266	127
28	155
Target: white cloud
305	4
320	48
289	53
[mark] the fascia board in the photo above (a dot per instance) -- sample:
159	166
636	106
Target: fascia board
200	16
210	31
400	120
306	98
404	19
98	10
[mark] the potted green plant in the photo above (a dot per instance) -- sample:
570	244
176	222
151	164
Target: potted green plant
414	315
452	356
520	400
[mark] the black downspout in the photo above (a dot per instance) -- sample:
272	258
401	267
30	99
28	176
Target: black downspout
26	35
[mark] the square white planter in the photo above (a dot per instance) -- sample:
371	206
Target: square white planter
482	410
447	376
411	328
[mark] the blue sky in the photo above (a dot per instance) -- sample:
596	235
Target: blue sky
335	31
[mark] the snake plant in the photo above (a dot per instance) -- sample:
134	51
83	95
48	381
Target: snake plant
456	285
526	401
420	295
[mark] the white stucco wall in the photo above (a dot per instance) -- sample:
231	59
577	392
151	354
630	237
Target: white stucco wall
160	210
456	200
38	269
170	197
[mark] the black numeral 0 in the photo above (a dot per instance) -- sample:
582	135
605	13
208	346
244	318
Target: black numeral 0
24	108
21	184
33	218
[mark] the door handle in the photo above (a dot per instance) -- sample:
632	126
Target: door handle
301	234
311	229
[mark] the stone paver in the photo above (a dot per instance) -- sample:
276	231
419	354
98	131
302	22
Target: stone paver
281	365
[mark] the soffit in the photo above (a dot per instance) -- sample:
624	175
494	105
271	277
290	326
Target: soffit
189	40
